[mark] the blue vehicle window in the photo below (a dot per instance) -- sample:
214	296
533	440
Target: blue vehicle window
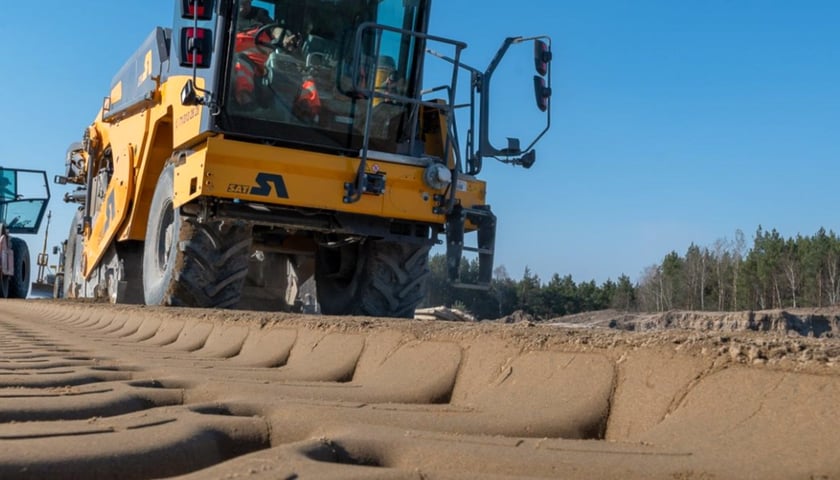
24	196
8	184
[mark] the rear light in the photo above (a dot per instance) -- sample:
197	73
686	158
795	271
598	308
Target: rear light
201	9
195	47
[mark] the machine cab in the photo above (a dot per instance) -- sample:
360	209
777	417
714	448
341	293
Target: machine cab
301	72
341	77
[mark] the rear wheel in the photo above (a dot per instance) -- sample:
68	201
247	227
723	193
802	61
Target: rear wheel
376	278
73	278
58	286
188	263
19	284
5	249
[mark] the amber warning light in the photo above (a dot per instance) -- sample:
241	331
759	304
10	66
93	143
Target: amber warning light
199	9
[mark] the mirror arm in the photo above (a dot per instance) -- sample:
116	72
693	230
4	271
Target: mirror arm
515	155
485	149
189	94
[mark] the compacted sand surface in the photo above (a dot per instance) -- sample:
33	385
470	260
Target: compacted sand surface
99	391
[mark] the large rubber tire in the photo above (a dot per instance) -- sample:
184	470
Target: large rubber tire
19	284
5	281
192	264
58	286
73	279
374	278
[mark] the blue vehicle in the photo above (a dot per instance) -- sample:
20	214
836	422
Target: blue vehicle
24	195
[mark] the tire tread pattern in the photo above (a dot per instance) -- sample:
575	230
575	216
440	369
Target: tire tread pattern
19	284
212	264
396	281
390	280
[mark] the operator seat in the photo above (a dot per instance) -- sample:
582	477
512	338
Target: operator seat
319	51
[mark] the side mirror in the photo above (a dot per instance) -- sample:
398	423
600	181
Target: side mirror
542	61
542	57
189	96
542	93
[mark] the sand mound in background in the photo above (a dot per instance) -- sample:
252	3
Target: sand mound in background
822	322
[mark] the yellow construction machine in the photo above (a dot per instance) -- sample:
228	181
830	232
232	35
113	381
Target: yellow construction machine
257	144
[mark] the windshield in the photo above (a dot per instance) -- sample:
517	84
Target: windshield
294	65
23	199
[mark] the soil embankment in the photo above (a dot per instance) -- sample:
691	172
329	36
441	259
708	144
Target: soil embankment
811	322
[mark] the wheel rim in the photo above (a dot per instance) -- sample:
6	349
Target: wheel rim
167	222
112	288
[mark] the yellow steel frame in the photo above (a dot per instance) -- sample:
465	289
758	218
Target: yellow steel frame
214	166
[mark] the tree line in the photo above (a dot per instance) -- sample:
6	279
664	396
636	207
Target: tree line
775	272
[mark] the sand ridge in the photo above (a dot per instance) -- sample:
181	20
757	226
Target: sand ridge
140	392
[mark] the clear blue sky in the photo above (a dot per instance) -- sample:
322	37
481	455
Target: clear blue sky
673	121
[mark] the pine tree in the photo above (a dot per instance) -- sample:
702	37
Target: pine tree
624	297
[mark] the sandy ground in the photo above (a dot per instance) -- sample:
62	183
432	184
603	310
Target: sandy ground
97	391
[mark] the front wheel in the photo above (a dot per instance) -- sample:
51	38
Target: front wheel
58	286
72	262
19	284
189	263
376	278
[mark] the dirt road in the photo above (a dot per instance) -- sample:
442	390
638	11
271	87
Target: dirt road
95	391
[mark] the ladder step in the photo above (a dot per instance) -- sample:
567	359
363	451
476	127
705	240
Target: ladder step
477	212
472	286
478	250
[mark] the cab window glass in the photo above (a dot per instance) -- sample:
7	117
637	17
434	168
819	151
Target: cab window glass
8	184
297	70
267	6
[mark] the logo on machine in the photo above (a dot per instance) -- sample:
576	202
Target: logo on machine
188	116
147	69
110	210
266	185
